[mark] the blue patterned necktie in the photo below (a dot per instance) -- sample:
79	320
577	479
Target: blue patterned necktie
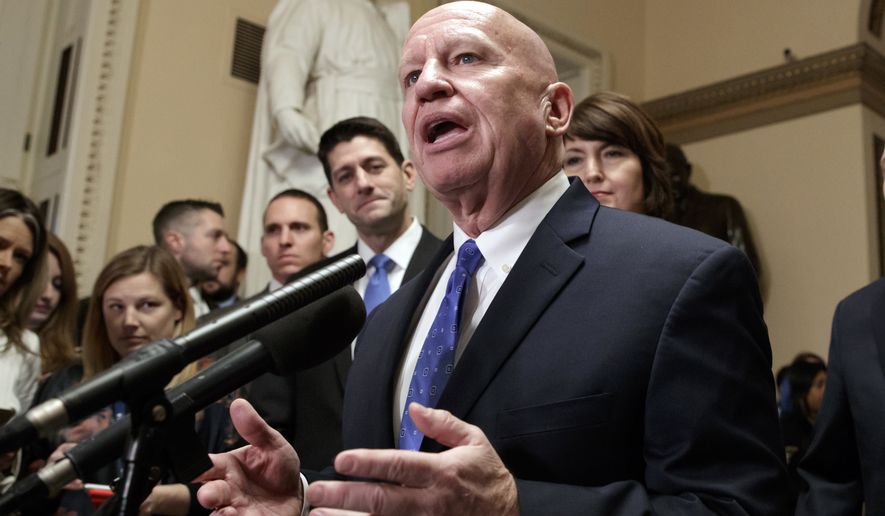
436	360
378	288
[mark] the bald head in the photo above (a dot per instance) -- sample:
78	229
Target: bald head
520	40
483	110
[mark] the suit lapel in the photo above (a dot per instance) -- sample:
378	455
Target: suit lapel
424	252
877	319
543	269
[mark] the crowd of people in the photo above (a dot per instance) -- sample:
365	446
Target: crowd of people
567	350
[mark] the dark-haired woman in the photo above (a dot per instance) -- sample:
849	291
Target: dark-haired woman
807	381
22	273
616	149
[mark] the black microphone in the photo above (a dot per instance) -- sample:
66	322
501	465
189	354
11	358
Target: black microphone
300	340
150	368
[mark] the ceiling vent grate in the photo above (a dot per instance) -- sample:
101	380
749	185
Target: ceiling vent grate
246	61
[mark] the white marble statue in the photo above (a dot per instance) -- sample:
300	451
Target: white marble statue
322	61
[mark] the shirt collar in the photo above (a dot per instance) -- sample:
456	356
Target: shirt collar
400	251
502	244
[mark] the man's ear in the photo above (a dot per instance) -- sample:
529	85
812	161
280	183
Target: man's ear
410	173
328	241
558	106
174	242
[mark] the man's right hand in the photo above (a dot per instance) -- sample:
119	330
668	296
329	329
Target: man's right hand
262	478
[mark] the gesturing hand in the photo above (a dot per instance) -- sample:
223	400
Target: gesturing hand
465	480
259	479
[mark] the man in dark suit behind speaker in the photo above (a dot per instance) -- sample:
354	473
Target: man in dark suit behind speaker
296	235
369	182
844	467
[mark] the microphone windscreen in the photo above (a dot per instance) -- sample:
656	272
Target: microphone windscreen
315	333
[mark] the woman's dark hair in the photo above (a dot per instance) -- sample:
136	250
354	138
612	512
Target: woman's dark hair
613	118
801	377
19	299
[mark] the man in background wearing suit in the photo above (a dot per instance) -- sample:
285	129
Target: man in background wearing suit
581	359
296	235
844	467
369	182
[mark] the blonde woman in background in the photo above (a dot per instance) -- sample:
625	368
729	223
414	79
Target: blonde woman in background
140	296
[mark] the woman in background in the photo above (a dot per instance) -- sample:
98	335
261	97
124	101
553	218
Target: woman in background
22	273
54	321
616	149
54	318
807	380
140	296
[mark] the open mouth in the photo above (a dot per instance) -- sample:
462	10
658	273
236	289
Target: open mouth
440	129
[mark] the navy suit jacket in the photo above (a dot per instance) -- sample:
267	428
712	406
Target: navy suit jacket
622	368
845	464
312	399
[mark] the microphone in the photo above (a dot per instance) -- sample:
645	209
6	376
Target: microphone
300	340
150	368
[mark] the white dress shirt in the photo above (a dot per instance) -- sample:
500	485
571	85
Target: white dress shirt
501	247
274	285
201	308
400	253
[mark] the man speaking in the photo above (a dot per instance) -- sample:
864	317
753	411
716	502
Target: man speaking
580	359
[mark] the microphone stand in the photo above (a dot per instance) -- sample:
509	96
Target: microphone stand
164	434
161	438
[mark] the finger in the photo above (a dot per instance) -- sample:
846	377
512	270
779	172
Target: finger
369	497
74	485
221	465
444	428
406	467
59	452
325	511
252	428
215	493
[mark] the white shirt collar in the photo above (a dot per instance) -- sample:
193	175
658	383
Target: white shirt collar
273	285
502	244
400	251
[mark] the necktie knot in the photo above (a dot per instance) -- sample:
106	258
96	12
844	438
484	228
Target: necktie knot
469	257
381	262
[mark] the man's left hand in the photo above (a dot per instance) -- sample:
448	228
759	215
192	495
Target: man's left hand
467	479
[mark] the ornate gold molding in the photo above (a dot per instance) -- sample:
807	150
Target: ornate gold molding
850	75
